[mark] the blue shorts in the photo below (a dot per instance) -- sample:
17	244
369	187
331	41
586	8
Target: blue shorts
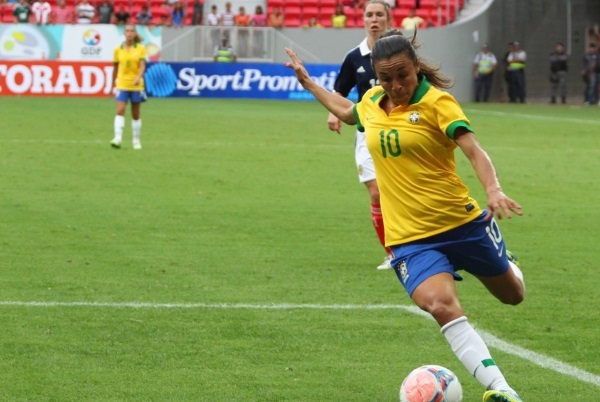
133	96
477	247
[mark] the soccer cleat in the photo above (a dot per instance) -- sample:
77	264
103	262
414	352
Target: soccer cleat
513	258
386	264
137	145
501	396
115	144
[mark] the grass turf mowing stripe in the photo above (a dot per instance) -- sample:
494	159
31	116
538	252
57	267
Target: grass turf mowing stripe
492	341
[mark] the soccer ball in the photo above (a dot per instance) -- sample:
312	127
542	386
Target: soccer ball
431	383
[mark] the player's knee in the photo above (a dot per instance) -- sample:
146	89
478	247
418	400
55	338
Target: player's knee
442	311
514	298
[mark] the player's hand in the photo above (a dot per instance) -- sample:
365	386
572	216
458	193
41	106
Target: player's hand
297	66
499	205
334	123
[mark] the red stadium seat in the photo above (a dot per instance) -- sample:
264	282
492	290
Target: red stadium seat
353	13
292	12
423	13
327	11
326	21
292	22
291	3
310	12
329	3
406	4
351	23
275	3
311	3
428	4
398	14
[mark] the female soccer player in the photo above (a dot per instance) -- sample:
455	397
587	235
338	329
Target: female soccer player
356	71
432	225
128	79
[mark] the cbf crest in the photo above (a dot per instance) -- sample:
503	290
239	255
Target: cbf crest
413	118
403	270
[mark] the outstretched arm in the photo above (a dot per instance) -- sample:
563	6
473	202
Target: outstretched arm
498	203
341	107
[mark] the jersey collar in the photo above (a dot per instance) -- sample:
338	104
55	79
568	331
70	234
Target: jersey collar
421	90
364	48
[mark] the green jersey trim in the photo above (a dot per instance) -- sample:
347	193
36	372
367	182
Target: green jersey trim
359	126
421	90
452	128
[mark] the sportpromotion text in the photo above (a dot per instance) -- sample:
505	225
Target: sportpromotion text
206	80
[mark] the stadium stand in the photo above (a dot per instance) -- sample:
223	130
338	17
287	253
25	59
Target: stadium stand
297	12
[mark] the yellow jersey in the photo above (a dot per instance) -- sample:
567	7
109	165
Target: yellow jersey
413	152
128	61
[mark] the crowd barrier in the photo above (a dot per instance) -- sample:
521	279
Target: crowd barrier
190	80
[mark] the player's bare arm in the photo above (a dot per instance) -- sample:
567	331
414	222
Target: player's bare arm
333	122
498	203
338	105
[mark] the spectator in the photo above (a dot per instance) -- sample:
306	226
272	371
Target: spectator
22	12
591	73
516	66
165	14
61	14
224	53
144	16
198	12
228	18
484	66
412	22
105	12
558	73
258	20
242	20
41	10
276	19
214	20
338	19
312	23
122	16
178	15
85	12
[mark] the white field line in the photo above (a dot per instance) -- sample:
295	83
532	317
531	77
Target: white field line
533	116
541	360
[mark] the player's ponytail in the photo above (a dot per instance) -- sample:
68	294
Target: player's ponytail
393	42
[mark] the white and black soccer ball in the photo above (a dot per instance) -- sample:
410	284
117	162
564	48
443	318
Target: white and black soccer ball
431	383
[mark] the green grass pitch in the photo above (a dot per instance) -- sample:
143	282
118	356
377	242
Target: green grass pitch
233	258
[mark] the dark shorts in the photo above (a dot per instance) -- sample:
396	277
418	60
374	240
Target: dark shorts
132	96
477	247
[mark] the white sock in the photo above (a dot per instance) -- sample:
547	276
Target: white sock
119	124
518	273
473	353
136	126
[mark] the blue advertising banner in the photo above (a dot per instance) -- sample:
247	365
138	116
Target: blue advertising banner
234	80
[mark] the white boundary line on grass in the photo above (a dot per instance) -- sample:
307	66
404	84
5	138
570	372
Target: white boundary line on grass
533	357
533	116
